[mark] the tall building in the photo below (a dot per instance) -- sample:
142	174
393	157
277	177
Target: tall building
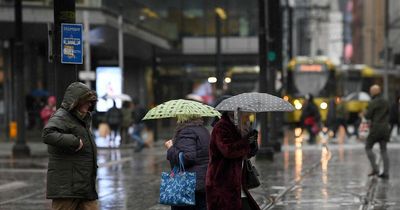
368	32
318	29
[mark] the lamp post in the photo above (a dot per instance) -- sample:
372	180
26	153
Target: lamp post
64	74
265	150
20	149
220	74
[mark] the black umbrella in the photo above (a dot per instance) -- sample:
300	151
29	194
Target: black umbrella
255	102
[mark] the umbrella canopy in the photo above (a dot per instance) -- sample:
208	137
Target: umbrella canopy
255	102
181	108
358	96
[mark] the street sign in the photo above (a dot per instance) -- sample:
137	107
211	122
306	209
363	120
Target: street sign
87	75
71	43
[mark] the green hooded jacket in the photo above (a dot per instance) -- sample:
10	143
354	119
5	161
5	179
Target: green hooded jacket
71	174
378	114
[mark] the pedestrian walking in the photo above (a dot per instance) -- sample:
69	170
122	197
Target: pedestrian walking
72	166
127	121
138	125
310	118
229	147
48	110
378	114
114	120
192	138
341	118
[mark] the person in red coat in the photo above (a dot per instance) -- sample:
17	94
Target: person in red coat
229	146
48	110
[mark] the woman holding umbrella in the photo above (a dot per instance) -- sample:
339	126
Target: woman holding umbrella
230	145
190	138
232	141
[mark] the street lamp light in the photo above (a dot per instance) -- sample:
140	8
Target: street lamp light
220	14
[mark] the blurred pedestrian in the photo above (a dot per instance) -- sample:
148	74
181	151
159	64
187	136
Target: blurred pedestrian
310	118
114	120
331	116
231	143
127	121
394	115
48	110
139	126
192	138
72	167
378	114
341	118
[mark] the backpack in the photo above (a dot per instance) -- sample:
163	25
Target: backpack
114	116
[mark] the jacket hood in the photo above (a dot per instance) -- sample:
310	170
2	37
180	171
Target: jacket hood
75	93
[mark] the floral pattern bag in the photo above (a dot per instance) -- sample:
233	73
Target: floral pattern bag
178	186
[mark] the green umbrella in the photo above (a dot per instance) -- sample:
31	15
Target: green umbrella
181	109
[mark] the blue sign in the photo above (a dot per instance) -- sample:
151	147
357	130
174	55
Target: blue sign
71	43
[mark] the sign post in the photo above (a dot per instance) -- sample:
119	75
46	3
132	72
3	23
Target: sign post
67	48
71	43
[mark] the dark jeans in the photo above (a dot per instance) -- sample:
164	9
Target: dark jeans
201	203
311	133
124	135
371	156
137	134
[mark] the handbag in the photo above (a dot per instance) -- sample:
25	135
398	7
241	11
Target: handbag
178	187
252	174
363	129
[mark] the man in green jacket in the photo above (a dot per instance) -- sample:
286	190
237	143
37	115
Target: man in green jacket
378	114
72	167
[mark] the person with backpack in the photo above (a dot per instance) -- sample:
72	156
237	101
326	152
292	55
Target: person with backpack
114	120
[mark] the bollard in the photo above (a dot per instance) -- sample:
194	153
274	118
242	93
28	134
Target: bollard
13	131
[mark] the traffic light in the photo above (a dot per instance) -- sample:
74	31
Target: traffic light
275	33
271	56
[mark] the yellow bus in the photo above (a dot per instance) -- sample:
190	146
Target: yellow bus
314	75
354	81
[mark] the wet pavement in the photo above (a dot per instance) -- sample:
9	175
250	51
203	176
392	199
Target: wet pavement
302	176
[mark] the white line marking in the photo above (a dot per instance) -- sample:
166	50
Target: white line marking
13	186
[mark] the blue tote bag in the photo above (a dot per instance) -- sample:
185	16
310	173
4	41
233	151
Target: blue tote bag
178	186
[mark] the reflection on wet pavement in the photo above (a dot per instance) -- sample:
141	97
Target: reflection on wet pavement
302	176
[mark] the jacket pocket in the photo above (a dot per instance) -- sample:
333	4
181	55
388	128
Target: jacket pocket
59	178
81	177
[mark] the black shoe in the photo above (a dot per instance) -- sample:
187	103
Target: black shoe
383	176
373	173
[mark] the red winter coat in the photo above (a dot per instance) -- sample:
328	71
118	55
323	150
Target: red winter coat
224	174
